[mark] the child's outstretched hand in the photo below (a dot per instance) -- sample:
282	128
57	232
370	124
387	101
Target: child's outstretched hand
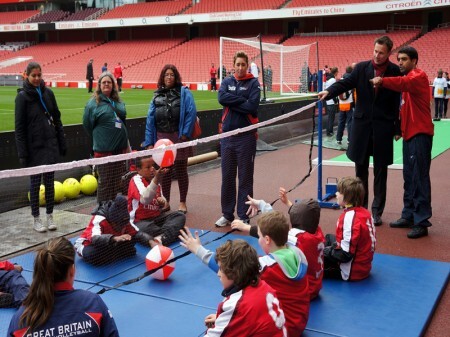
282	194
159	173
188	241
253	206
241	226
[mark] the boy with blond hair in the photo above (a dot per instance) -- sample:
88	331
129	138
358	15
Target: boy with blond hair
283	268
348	255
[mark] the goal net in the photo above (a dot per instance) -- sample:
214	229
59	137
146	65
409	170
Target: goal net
284	70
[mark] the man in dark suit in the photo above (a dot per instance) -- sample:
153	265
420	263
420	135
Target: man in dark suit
375	120
90	74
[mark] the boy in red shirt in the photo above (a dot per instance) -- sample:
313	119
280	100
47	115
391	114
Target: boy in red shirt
348	255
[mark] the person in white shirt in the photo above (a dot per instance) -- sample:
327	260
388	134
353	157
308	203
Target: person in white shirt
439	93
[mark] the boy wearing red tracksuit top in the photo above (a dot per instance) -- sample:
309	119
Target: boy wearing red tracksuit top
109	235
145	202
305	233
417	132
251	306
349	254
284	268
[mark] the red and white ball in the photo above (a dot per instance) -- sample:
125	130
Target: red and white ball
164	158
156	257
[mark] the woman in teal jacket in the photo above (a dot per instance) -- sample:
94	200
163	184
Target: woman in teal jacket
172	115
104	121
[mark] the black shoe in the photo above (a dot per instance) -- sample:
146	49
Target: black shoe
417	232
329	134
401	223
377	220
436	119
6	300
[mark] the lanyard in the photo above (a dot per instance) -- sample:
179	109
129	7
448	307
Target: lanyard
50	118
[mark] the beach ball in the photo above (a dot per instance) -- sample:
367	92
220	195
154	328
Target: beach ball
156	257
59	191
164	158
41	195
88	184
71	188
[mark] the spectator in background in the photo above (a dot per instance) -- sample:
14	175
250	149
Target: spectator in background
104	121
212	75
223	72
105	67
331	105
268	75
172	115
53	303
346	106
90	74
254	70
439	92
447	96
118	74
40	139
314	80
375	121
13	287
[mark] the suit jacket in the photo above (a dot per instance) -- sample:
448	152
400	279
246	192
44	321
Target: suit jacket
376	114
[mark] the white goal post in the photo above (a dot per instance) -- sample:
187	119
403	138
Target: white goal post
289	65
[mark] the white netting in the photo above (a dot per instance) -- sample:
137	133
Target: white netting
288	73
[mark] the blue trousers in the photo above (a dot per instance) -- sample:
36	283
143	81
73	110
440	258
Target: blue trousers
238	158
416	177
345	117
438	107
12	282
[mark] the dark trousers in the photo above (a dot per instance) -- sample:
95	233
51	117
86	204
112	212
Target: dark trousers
168	226
109	253
213	84
12	282
331	267
445	106
90	85
416	176
238	158
35	184
379	185
110	180
119	84
181	173
438	107
345	118
331	112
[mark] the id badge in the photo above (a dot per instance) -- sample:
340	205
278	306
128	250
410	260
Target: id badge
118	125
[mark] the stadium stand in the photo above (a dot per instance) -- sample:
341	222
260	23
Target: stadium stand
312	3
86	14
160	8
10	18
433	49
48	17
211	6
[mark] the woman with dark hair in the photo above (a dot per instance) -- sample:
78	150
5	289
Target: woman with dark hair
53	303
172	115
104	120
40	139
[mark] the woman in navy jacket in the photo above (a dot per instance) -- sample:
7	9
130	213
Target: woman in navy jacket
172	115
239	95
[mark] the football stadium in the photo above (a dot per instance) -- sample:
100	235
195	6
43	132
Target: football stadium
224	168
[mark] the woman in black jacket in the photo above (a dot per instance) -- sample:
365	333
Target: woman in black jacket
40	138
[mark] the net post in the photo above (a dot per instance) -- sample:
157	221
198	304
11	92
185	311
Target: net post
264	99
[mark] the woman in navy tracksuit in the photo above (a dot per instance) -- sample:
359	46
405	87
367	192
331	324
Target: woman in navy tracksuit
239	95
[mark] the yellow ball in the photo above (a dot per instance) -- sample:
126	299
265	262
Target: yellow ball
88	184
71	188
59	191
41	195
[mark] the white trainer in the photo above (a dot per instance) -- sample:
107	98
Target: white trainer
222	222
38	226
50	223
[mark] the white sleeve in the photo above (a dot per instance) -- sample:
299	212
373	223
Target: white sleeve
149	193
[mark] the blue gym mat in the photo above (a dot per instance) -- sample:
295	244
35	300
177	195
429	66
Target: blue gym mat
398	299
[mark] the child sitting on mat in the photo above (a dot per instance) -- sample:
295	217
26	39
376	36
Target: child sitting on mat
13	287
283	268
109	235
305	233
237	266
348	255
145	203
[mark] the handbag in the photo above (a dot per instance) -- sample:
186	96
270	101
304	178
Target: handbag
197	131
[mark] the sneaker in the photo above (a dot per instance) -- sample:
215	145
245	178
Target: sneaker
417	232
50	223
6	300
38	226
377	220
339	142
222	222
401	223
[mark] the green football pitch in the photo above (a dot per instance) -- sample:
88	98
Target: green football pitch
71	103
